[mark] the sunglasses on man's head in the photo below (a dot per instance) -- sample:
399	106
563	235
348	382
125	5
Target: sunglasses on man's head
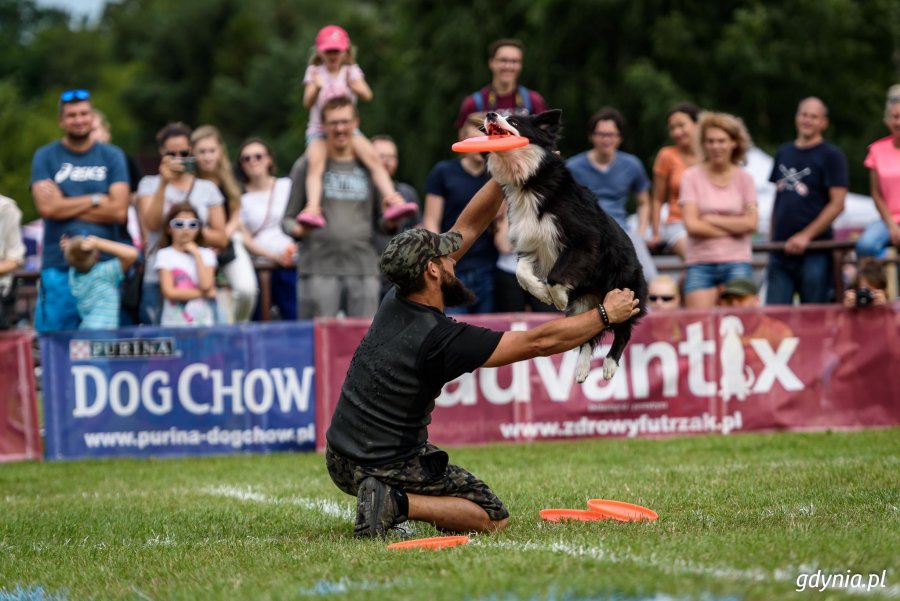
666	298
73	95
246	158
182	224
177	153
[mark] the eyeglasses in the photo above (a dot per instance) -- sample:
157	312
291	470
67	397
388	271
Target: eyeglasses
665	298
246	158
338	123
177	153
73	95
184	224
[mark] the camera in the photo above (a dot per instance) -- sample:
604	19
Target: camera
863	297
189	164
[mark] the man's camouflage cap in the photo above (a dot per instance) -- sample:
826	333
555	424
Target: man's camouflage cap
405	257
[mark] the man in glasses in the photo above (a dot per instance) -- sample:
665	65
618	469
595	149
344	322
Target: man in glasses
80	188
503	95
337	265
614	176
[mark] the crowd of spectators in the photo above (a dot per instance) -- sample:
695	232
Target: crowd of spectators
186	246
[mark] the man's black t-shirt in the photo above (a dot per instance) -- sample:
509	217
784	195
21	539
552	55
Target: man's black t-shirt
406	357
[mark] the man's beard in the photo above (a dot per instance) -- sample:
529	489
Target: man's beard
455	293
78	138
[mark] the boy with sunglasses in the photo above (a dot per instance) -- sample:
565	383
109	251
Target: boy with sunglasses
80	187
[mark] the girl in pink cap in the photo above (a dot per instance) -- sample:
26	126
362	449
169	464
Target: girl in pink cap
333	72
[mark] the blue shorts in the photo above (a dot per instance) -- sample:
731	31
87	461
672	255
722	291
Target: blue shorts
700	276
56	309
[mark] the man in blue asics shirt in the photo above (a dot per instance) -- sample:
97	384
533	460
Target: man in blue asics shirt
80	188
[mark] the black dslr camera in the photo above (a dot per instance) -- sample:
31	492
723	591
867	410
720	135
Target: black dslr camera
863	297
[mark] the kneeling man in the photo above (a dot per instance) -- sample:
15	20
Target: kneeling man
378	445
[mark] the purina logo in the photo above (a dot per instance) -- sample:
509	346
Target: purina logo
129	348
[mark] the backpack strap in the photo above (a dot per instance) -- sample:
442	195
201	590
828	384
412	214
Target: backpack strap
525	95
478	99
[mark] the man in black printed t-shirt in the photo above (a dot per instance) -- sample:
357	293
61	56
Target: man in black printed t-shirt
378	445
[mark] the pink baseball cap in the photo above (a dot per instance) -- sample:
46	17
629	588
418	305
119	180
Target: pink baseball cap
332	37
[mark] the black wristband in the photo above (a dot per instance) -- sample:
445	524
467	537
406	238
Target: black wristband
602	311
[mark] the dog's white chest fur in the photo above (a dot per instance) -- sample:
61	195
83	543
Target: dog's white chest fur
531	234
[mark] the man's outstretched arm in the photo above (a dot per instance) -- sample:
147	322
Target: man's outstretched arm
562	334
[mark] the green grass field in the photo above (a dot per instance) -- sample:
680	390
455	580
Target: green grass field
740	518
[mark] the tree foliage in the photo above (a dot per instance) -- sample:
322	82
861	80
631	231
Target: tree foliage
239	65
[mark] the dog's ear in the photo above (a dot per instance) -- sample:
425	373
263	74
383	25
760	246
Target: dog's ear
549	122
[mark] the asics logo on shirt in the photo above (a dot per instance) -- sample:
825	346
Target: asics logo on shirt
68	171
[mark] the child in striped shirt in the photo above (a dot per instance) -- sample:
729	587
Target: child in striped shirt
95	283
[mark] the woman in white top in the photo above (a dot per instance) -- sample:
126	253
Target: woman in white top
214	165
262	208
176	183
12	254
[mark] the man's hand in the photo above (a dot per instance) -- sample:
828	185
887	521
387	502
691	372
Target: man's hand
797	244
170	168
620	305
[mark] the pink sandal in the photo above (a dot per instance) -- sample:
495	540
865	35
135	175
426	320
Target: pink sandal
309	220
407	209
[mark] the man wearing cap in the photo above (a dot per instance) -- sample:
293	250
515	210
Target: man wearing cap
739	292
80	187
378	445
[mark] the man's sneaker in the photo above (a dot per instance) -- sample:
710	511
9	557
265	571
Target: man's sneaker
376	509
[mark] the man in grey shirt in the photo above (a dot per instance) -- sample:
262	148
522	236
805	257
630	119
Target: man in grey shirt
338	261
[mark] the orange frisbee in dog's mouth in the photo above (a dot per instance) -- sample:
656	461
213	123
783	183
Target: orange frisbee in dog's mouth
490	143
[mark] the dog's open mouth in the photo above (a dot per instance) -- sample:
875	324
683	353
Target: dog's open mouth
495	130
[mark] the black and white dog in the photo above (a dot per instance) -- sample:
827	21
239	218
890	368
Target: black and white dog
571	253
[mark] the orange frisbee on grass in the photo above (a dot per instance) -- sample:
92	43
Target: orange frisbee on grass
623	512
490	144
437	542
576	515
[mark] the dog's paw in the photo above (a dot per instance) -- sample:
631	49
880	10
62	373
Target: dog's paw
560	296
609	368
583	367
541	292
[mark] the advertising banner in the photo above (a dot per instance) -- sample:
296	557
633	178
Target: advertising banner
788	368
179	391
19	436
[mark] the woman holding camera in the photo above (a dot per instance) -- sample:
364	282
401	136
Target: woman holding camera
869	287
157	194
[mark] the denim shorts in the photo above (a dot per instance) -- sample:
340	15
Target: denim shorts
700	276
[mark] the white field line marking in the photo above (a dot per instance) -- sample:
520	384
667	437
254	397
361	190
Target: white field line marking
329	508
676	566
